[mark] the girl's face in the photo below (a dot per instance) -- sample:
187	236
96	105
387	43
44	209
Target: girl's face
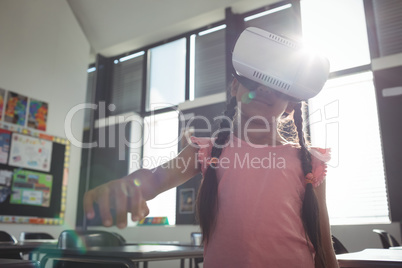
260	102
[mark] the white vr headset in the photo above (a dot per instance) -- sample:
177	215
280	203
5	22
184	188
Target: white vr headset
279	63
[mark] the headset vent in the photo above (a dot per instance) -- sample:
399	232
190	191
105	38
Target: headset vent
282	40
270	80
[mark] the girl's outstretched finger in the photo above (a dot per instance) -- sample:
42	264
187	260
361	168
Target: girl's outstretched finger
103	194
120	200
89	204
144	209
135	200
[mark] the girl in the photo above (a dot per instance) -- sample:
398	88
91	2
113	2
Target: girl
262	199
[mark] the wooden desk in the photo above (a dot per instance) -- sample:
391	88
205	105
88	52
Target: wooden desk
129	255
378	258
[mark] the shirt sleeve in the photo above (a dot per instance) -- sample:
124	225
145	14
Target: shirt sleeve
204	152
319	159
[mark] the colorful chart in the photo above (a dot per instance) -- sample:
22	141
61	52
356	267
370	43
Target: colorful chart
37	116
2	95
5	136
30	152
31	188
16	108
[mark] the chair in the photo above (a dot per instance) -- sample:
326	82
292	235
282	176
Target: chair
9	238
82	239
338	246
34	236
387	240
196	240
26	236
71	239
6	237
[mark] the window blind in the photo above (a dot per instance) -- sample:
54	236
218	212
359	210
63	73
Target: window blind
126	86
388	21
209	64
88	98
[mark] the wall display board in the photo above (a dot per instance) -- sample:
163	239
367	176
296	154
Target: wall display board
33	176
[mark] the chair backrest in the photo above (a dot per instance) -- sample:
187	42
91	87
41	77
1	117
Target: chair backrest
338	246
6	237
82	239
387	240
30	236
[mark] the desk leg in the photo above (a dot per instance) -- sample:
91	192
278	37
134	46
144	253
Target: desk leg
182	263
145	265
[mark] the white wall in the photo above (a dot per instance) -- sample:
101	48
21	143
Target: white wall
44	54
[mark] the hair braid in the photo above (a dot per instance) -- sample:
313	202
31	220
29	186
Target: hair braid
207	200
310	209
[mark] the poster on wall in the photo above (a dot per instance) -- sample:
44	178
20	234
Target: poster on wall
30	152
5	136
5	184
31	188
37	115
2	96
186	201
16	108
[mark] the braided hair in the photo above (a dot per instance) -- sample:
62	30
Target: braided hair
310	210
207	201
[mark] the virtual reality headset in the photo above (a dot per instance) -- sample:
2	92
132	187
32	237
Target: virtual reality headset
279	63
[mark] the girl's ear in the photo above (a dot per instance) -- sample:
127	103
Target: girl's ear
291	106
234	87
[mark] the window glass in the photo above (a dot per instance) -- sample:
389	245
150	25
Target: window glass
167	71
160	145
338	30
344	117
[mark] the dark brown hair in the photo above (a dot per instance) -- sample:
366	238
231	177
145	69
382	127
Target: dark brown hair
207	201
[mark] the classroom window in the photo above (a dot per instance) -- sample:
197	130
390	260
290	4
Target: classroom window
160	145
388	25
344	117
88	99
127	83
338	30
208	62
279	20
167	75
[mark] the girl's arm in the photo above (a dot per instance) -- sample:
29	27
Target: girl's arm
326	239
129	193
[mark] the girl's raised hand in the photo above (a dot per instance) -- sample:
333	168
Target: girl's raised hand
123	195
130	193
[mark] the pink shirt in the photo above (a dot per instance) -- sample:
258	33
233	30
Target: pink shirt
260	195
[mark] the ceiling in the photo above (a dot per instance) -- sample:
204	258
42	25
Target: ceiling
118	26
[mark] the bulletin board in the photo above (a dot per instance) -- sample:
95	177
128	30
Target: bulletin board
33	176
